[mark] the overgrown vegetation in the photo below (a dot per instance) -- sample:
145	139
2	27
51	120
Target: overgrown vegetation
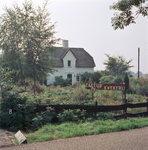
71	129
24	103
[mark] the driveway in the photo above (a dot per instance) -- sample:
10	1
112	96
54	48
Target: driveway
136	139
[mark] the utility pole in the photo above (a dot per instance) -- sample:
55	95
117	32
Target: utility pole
138	60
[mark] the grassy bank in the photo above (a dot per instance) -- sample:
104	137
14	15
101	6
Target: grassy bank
70	129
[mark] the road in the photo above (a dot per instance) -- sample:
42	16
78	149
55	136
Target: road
136	139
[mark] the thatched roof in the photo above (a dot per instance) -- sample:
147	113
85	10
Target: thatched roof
83	59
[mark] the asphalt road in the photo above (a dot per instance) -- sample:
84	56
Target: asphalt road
136	139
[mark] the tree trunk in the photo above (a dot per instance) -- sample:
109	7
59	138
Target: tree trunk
34	85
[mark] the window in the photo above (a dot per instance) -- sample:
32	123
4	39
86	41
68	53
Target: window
78	78
69	63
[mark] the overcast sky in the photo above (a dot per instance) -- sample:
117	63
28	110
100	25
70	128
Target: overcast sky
87	24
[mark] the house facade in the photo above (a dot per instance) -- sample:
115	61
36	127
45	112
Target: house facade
70	63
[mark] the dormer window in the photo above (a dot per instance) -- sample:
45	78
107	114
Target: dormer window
69	63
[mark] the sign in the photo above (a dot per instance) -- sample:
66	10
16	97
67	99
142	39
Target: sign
99	86
20	137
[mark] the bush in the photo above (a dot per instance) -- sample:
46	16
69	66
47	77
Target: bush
144	90
95	77
138	86
111	79
61	81
43	118
72	115
14	111
80	93
38	88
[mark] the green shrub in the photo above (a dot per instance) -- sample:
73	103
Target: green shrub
95	76
111	79
14	111
72	115
80	93
144	90
104	115
43	118
61	81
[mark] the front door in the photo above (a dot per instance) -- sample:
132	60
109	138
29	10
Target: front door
70	76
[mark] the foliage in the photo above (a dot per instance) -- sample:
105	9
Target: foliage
144	90
10	119
29	87
79	93
61	81
38	88
43	118
126	81
111	79
138	86
86	76
127	15
24	104
26	40
116	66
21	115
6	78
72	115
94	76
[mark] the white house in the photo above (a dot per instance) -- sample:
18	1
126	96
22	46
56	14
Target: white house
70	63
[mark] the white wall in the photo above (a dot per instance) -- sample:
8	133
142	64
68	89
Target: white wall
63	71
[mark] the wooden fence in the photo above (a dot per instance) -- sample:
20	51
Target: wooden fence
100	108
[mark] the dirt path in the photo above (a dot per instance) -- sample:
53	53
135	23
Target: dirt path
136	139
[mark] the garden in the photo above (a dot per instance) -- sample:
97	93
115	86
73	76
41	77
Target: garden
23	100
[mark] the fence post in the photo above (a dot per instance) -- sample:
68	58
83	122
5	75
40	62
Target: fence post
96	103
147	104
124	101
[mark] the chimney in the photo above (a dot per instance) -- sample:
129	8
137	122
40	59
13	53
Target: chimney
65	44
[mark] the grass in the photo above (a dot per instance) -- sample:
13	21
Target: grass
16	140
70	129
7	132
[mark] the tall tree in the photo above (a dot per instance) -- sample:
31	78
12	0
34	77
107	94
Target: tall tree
116	66
6	78
11	39
126	14
126	81
27	37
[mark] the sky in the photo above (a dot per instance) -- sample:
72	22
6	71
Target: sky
87	24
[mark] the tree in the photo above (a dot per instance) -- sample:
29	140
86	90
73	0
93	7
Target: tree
6	78
95	76
126	81
116	66
111	79
27	37
127	14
